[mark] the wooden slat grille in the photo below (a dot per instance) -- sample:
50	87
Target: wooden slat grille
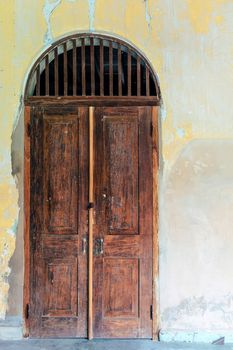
88	66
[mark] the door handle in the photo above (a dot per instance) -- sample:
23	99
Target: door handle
99	246
84	245
51	277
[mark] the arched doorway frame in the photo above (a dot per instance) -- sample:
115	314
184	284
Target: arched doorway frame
30	101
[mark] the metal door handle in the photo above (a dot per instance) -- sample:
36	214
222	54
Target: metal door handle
51	277
84	245
99	246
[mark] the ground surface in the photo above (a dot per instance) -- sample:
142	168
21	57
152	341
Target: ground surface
74	344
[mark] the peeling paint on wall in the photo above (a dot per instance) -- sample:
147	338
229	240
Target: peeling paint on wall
148	15
214	313
189	42
48	9
91	14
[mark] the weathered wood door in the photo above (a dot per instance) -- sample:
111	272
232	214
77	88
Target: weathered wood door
59	222
122	223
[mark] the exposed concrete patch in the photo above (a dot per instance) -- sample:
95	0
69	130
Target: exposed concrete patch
48	9
91	14
15	294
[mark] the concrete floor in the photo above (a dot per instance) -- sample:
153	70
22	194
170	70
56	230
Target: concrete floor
75	344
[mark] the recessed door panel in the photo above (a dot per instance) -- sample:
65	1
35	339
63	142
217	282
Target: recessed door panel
60	174
61	168
121	165
59	222
123	223
121	294
60	298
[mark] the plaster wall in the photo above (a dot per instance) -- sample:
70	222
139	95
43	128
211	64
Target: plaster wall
189	44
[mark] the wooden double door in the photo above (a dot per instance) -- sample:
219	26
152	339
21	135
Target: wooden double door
115	154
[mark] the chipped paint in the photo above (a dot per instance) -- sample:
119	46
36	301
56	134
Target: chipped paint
180	132
189	44
48	9
91	14
148	14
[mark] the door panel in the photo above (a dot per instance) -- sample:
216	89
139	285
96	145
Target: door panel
58	224
61	287
123	220
122	269
61	187
120	287
121	165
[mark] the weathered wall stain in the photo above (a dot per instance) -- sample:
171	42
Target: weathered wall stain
202	13
48	9
91	14
189	43
197	199
147	13
214	313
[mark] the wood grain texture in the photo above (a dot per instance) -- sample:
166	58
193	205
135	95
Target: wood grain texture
99	101
121	139
155	160
120	280
123	271
26	289
91	200
58	277
61	187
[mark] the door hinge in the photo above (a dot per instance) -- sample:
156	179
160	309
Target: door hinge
151	312
27	312
29	130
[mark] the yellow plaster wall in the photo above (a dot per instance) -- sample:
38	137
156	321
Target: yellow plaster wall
188	42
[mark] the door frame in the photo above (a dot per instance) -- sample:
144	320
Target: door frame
92	102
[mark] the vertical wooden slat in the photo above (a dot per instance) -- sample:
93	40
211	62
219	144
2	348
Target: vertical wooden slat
74	68
101	68
156	87
155	160
110	69
47	75
138	76
56	71
38	80
147	82
129	73
119	72
83	68
92	67
91	199
26	294
65	70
